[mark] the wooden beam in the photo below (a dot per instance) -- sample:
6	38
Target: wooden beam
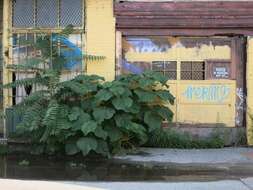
230	17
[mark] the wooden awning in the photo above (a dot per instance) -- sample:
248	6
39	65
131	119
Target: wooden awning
176	18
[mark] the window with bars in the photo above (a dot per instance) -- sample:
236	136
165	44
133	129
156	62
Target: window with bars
22	52
192	70
47	13
167	68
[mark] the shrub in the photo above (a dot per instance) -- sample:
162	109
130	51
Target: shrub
87	114
3	149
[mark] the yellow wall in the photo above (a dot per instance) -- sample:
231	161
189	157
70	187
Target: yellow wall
197	101
250	91
100	37
204	102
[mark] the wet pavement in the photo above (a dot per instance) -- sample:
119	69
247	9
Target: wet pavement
193	156
230	168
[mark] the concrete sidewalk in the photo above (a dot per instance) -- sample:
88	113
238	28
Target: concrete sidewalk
244	184
195	156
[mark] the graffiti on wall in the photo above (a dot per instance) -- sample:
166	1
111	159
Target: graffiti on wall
209	93
240	105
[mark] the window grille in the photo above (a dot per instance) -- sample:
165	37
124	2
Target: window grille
167	68
47	13
23	13
192	70
21	52
71	12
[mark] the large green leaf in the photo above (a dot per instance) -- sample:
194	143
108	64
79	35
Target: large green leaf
122	119
114	133
145	96
117	90
71	149
74	114
103	95
156	76
89	126
83	118
102	148
86	144
103	113
146	83
99	132
166	96
164	112
122	103
139	130
153	120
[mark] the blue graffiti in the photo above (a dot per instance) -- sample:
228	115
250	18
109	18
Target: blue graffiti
131	67
73	53
146	45
212	93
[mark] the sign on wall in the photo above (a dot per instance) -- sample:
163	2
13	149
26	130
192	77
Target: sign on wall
218	69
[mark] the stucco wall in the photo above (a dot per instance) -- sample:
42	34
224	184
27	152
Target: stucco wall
100	37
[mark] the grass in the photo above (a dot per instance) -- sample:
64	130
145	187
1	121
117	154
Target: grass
3	149
167	138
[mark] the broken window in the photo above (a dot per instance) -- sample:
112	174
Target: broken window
70	48
167	68
192	70
47	13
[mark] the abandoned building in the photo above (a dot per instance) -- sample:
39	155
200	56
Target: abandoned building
204	48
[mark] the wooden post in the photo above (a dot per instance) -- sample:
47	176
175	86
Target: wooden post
118	52
7	75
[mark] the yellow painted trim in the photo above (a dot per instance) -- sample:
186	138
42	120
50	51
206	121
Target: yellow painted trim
250	91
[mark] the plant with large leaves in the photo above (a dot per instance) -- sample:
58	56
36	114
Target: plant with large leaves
87	114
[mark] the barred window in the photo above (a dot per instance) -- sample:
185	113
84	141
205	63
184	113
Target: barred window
70	48
191	70
47	13
167	68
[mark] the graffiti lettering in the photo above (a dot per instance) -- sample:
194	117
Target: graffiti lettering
211	93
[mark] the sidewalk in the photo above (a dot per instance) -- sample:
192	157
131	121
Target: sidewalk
244	184
226	156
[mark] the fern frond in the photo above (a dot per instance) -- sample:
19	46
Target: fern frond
29	64
34	114
50	119
87	57
25	82
30	100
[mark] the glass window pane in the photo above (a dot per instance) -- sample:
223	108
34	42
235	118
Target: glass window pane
198	75
172	75
186	75
157	65
198	66
186	66
171	65
71	12
23	13
47	13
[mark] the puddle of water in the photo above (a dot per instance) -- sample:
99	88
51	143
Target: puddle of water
41	168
